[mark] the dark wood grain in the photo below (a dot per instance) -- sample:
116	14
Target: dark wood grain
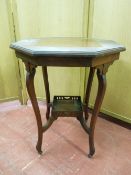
47	90
88	90
31	91
99	98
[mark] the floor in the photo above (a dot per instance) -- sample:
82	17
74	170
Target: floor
65	145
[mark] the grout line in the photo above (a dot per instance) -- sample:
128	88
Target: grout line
32	161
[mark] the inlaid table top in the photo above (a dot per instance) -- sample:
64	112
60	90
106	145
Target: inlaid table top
60	46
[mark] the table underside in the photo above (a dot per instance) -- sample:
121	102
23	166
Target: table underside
67	106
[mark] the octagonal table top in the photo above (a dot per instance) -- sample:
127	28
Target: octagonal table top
67	46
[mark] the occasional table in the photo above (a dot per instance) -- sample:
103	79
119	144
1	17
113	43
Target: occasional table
67	52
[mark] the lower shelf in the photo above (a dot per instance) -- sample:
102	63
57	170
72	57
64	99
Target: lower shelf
67	106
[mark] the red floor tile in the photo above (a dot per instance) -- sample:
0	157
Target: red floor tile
65	145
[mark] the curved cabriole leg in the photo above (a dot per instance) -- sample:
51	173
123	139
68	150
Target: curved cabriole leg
31	91
88	90
46	83
100	95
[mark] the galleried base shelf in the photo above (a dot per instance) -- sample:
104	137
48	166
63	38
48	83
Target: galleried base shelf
67	106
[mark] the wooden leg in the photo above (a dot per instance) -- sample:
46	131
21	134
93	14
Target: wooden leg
88	90
31	91
83	123
46	83
100	95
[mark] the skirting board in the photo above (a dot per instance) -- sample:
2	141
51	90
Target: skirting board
112	114
107	114
104	111
8	99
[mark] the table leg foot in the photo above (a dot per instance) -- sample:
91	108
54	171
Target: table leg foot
91	154
87	130
38	148
92	148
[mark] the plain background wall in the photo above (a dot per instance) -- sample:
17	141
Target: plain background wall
8	72
42	18
111	20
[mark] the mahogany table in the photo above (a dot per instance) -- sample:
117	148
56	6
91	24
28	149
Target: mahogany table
67	52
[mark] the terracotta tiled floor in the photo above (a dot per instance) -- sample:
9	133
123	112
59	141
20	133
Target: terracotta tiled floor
65	146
